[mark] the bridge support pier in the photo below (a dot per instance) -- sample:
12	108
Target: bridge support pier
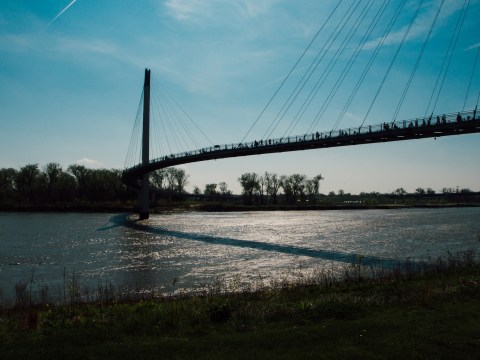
144	198
144	194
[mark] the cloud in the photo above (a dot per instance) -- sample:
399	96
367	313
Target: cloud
199	10
90	163
96	46
474	46
185	9
255	7
16	42
421	25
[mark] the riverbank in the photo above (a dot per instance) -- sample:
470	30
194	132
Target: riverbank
214	206
106	207
395	315
225	207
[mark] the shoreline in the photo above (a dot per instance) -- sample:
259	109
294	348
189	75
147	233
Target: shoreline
218	207
236	208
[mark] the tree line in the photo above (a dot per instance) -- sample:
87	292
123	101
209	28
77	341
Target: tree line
265	189
52	184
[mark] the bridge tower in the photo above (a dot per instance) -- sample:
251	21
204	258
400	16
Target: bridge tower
144	193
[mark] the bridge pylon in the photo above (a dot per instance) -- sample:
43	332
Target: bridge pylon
144	193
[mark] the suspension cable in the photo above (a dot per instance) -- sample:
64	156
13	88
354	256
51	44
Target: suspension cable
471	78
328	70
449	51
301	84
393	60
184	112
133	145
369	64
462	17
412	74
348	66
291	70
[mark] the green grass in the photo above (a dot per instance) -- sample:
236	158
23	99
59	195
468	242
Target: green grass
401	315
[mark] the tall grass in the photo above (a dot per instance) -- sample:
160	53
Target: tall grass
30	294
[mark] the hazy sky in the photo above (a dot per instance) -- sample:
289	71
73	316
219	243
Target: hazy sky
71	76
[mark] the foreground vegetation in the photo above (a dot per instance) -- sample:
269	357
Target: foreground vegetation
368	313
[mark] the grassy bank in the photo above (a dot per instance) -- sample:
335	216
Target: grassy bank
371	314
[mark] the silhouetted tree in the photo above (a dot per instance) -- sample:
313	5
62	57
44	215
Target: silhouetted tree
158	179
224	188
210	189
312	188
28	182
419	191
7	184
181	179
298	182
80	174
250	185
52	172
273	185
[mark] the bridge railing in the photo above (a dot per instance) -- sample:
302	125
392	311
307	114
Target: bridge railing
416	123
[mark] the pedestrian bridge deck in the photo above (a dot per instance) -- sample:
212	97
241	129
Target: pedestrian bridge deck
435	126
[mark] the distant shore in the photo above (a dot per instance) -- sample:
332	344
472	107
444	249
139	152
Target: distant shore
219	207
232	208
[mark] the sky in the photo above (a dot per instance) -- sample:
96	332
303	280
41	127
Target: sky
71	77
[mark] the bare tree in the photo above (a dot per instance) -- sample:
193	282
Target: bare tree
224	188
250	185
158	178
181	179
273	185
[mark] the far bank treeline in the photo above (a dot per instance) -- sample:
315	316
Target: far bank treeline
79	187
32	185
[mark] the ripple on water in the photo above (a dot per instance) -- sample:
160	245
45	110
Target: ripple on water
187	249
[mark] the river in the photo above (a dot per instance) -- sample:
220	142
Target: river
187	251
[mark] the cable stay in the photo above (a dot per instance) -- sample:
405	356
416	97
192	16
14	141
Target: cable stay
446	63
420	55
334	61
134	153
393	59
471	78
370	63
172	124
311	70
292	69
328	70
184	113
348	66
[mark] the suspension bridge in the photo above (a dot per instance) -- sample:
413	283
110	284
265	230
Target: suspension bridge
433	125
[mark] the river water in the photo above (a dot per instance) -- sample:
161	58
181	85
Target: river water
187	251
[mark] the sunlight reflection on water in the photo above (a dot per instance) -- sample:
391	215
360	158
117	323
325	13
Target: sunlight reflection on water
191	249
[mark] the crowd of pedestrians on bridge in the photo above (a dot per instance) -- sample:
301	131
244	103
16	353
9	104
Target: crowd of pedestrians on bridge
406	124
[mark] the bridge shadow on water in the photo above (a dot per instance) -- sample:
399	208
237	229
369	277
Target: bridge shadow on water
349	258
